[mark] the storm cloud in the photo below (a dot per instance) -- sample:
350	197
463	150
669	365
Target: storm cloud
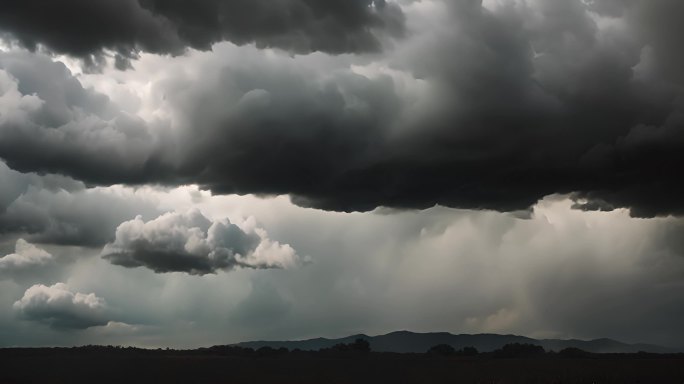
86	28
47	116
59	307
498	152
191	243
488	105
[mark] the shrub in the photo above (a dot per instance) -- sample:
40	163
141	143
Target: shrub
442	350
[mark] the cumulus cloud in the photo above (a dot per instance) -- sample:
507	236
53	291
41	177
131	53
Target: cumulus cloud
488	106
60	308
86	28
191	243
26	256
47	116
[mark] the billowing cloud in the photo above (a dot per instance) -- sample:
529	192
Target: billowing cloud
86	28
481	107
191	243
47	116
26	256
60	308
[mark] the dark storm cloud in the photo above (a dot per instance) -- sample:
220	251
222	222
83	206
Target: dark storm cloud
84	28
60	308
486	109
193	244
520	108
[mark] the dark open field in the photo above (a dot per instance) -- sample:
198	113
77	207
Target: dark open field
136	366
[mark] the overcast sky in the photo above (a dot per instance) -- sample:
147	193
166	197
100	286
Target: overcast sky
189	173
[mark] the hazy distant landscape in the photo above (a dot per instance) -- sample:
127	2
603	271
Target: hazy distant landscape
411	342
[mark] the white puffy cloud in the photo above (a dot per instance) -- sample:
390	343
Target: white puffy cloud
25	256
61	308
30	263
190	242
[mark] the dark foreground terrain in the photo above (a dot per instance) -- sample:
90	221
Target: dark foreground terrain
239	365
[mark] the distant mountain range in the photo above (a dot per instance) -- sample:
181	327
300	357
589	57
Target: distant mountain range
411	342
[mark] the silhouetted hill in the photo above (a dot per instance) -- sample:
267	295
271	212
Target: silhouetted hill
407	342
602	346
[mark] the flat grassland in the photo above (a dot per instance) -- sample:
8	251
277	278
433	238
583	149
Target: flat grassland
129	366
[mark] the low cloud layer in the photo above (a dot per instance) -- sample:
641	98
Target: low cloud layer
86	28
616	276
60	308
191	243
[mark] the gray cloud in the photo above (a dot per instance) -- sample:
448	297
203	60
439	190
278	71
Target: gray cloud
191	243
520	103
657	23
47	117
26	257
61	308
87	218
13	184
86	28
58	210
478	108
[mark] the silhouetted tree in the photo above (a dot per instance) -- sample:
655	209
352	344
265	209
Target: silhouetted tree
469	351
270	352
573	353
360	345
448	350
441	350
